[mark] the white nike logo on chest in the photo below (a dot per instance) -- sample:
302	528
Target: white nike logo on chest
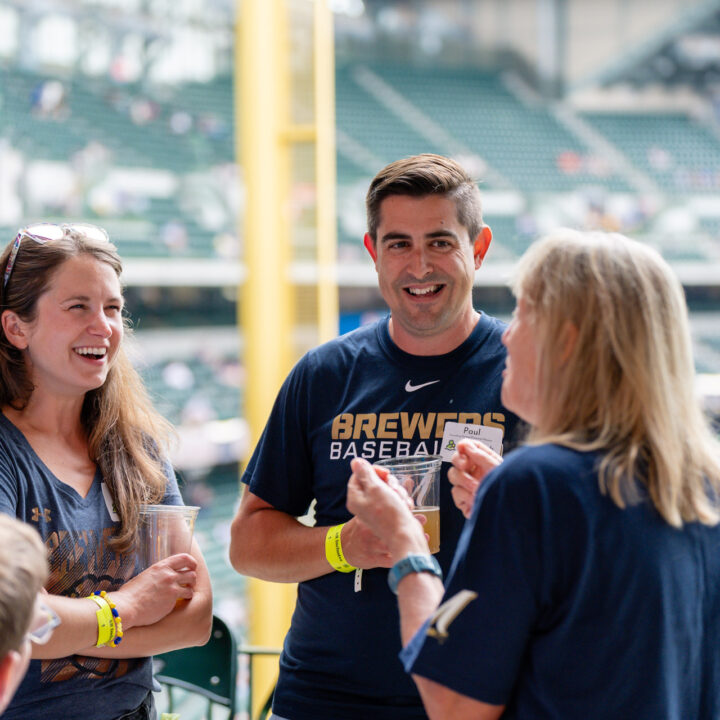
409	387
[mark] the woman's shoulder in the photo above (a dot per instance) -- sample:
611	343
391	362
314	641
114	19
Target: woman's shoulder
549	453
12	441
548	464
544	481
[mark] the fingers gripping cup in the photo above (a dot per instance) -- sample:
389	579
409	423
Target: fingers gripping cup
164	530
420	476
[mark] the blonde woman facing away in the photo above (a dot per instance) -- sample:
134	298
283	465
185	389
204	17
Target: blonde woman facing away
587	581
80	449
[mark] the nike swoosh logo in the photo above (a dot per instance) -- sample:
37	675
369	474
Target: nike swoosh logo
409	387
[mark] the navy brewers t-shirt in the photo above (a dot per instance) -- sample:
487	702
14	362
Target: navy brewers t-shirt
360	395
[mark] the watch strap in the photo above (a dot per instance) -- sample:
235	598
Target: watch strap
412	564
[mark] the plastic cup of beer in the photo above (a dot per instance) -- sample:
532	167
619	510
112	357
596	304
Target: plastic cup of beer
420	476
164	530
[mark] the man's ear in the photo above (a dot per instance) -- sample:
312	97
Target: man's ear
14	329
481	245
370	246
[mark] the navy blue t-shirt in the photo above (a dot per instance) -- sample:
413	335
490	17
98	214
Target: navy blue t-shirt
76	532
560	604
360	395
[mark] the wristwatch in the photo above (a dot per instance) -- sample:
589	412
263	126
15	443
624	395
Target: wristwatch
412	564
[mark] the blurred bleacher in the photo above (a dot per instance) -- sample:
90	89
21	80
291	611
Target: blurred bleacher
153	163
152	168
125	157
681	155
196	389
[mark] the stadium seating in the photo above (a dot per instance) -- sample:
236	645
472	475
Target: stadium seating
680	154
383	111
361	116
192	390
522	140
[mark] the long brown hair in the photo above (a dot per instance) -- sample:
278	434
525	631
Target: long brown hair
127	438
627	386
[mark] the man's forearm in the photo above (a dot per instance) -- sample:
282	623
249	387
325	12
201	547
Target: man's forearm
271	545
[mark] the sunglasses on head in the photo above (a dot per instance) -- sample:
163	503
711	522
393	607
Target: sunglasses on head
43	233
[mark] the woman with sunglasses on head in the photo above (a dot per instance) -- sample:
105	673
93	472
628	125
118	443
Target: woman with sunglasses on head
586	583
80	449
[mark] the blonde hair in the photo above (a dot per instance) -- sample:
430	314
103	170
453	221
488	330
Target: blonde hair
127	437
23	571
627	386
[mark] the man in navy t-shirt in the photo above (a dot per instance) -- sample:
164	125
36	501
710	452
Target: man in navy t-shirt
383	390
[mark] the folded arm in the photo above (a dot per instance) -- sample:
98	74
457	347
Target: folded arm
153	620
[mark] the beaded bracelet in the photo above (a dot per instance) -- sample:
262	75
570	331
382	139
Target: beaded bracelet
105	621
118	635
110	632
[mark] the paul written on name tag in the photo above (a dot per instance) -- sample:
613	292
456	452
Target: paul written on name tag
454	432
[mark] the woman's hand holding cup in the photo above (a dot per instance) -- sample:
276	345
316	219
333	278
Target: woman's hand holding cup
153	594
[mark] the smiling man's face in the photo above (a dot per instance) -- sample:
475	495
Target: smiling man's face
426	263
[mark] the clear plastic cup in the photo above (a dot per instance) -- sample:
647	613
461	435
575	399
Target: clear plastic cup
420	476
164	530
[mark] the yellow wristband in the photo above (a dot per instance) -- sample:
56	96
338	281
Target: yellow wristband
105	621
333	550
117	632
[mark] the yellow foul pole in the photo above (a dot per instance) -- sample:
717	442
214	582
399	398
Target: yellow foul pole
266	299
265	139
325	180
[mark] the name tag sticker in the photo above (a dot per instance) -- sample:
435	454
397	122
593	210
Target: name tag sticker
454	432
110	503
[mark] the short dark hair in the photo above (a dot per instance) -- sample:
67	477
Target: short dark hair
426	174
